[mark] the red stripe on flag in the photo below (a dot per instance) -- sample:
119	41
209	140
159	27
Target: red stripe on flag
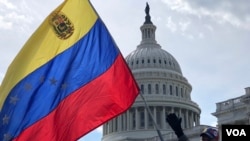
87	108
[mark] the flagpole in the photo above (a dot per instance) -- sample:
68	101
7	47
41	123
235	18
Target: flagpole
151	116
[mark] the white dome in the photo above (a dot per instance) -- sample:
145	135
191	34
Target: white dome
152	57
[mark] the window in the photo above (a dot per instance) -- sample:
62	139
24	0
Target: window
142	89
156	88
171	89
176	90
164	89
149	89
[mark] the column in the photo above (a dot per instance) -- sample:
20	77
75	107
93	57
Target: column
109	127
114	124
180	115
199	119
164	117
128	120
187	119
192	119
104	129
124	121
119	122
196	119
179	112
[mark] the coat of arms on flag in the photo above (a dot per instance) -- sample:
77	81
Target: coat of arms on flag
62	26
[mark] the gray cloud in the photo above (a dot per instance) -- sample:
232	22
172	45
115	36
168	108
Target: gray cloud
235	13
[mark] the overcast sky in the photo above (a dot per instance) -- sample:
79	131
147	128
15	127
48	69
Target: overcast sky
210	40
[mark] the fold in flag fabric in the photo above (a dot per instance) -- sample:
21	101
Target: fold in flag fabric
68	79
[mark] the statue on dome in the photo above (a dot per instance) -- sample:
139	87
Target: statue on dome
147	9
147	18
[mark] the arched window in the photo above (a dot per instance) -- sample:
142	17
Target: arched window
181	92
176	90
171	90
142	88
149	89
164	89
156	88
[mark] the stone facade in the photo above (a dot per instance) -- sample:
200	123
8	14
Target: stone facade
235	111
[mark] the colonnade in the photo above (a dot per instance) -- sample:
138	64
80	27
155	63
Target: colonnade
138	118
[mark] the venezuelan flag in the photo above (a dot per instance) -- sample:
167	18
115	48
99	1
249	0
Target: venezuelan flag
68	79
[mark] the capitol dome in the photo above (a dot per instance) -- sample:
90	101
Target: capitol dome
152	56
163	90
149	54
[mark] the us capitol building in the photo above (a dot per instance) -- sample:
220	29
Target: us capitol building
165	90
